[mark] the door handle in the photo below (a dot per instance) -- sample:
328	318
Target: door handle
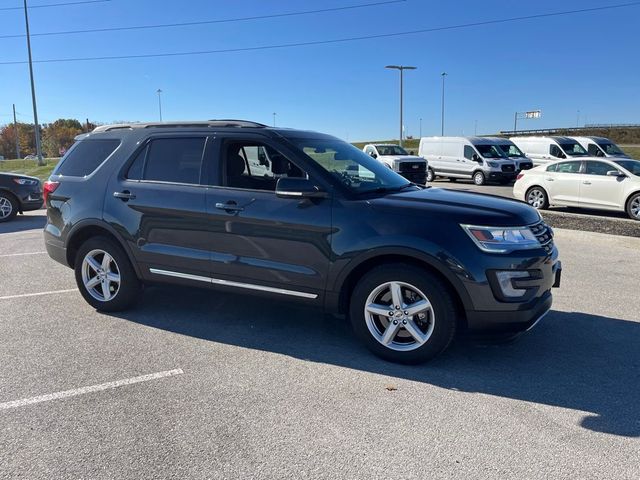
124	196
586	182
549	179
229	206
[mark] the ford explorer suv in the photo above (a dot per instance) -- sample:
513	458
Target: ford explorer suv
410	166
320	222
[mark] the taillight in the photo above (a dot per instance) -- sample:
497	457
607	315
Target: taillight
520	175
49	187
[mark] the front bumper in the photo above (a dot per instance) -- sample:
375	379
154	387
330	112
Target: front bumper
418	177
501	176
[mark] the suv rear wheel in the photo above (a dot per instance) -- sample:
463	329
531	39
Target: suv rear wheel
403	313
105	276
8	207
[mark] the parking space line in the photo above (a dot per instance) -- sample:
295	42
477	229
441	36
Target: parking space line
90	389
21	254
37	294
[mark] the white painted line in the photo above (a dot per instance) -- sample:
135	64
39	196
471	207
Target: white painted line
37	294
91	389
21	254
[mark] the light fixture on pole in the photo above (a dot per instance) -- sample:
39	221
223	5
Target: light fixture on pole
444	74
159	92
33	90
401	68
274	119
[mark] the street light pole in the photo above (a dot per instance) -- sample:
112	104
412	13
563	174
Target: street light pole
401	68
33	89
444	74
15	127
274	119
159	92
420	127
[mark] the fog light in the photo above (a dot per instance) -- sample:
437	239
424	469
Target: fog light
505	278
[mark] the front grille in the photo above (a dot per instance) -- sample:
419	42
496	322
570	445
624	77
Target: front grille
508	168
526	166
413	167
544	234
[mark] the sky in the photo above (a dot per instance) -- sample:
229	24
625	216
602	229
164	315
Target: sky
576	69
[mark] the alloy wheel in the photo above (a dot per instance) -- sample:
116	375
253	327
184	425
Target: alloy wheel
634	207
399	316
478	178
536	198
100	275
6	207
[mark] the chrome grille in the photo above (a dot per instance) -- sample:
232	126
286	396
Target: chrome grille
508	168
544	234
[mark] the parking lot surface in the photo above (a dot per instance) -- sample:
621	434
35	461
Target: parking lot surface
199	384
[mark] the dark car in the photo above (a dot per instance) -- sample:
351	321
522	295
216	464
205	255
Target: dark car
289	214
18	193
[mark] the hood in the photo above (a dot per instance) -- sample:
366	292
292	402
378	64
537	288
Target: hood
402	158
17	175
460	207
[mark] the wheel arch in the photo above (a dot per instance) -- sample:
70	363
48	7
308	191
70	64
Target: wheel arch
628	199
347	280
87	229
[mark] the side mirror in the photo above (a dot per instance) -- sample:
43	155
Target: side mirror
475	157
373	155
615	173
561	155
411	152
298	188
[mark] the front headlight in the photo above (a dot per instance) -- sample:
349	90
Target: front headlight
25	181
502	239
493	164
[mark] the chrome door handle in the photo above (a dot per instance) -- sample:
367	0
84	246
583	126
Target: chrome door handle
229	206
124	196
586	182
549	179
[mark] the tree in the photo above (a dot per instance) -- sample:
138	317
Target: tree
26	134
58	136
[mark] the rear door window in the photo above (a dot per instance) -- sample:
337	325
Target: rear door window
174	160
568	167
86	156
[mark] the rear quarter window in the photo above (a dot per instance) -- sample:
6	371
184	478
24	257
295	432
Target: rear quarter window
86	156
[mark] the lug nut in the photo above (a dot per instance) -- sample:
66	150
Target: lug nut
395	322
406	312
391	314
404	322
397	307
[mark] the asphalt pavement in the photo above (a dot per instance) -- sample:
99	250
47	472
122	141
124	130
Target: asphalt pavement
199	384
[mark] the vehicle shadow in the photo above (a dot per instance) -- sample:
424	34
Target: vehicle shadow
22	223
571	360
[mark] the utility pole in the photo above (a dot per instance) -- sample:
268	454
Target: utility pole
33	90
420	127
444	74
401	68
159	92
15	127
274	119
475	129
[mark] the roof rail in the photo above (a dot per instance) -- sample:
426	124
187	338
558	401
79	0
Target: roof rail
196	124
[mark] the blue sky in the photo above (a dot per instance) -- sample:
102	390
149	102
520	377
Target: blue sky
586	62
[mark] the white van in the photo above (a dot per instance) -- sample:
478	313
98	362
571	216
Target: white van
545	149
476	158
601	147
513	152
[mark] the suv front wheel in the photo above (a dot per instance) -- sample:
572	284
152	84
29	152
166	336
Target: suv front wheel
105	276
403	313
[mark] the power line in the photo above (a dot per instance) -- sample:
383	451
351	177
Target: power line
46	5
208	22
326	42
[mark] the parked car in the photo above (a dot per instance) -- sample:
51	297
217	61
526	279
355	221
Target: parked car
18	193
512	151
606	184
543	150
475	158
31	157
325	225
601	147
410	166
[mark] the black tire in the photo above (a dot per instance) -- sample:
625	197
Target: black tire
431	175
541	200
633	204
479	178
442	317
8	201
129	288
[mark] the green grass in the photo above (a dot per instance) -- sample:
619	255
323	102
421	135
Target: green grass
29	167
633	152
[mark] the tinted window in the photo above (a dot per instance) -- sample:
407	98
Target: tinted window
573	149
468	152
136	168
568	167
85	157
598	168
552	168
594	151
632	165
555	151
176	160
490	151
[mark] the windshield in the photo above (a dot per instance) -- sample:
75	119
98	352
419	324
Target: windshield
632	166
352	167
573	149
611	148
511	150
490	151
391	150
